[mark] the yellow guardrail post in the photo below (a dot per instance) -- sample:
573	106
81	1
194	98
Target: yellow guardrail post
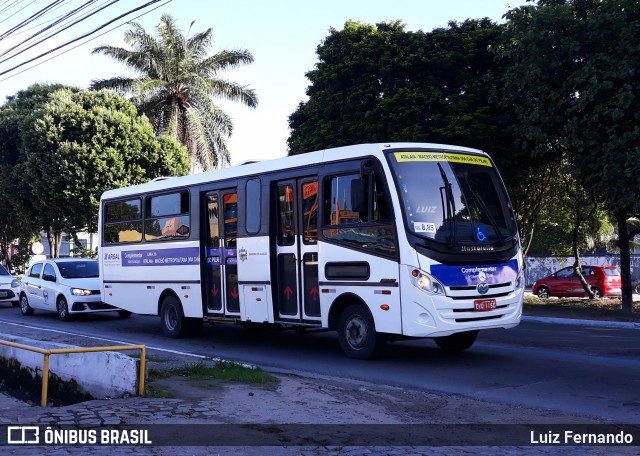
143	370
60	351
45	381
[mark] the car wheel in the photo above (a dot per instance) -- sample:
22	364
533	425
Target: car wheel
597	294
63	309
357	333
124	313
456	342
543	292
25	308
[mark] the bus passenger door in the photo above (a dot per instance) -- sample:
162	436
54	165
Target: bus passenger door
221	276
296	292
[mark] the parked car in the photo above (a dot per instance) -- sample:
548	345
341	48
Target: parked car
9	287
66	286
603	280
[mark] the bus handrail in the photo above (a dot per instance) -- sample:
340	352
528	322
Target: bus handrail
61	351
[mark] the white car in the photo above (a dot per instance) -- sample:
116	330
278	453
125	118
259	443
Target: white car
66	286
9	287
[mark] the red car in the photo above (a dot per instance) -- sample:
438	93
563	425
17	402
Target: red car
603	280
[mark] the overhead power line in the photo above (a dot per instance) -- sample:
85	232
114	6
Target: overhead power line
60	30
50	31
34	16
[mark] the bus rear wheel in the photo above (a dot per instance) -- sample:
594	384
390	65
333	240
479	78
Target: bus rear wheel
172	318
357	333
457	342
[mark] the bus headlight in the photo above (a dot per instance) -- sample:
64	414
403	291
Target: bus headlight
80	292
426	283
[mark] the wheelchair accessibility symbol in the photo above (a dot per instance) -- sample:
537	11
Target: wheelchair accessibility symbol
481	234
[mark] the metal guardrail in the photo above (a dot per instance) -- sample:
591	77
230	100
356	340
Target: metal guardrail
61	351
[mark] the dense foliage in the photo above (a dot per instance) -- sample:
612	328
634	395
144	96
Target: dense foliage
16	209
571	80
74	146
381	83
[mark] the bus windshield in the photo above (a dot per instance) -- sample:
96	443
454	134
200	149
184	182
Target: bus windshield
453	198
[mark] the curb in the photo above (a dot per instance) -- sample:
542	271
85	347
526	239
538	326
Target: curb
576	322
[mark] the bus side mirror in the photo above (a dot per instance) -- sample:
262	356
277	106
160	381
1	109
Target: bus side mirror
358	200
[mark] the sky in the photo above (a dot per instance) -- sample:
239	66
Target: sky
282	35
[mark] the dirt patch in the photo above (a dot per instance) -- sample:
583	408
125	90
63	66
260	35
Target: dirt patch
318	399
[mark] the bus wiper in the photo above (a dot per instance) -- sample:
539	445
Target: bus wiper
484	207
450	205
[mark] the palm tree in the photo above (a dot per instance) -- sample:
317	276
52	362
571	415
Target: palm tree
176	85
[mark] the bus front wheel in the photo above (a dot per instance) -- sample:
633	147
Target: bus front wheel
457	342
357	333
172	318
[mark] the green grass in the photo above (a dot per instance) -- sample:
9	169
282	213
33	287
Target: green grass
222	370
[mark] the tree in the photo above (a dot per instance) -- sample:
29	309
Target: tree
81	144
572	75
571	221
176	85
382	83
16	212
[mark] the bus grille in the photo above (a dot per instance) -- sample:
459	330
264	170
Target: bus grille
473	287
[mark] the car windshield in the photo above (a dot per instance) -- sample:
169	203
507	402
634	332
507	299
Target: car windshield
611	271
78	269
3	271
453	198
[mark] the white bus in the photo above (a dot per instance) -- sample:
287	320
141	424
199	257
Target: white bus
376	241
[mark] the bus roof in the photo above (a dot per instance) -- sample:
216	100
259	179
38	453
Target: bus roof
260	167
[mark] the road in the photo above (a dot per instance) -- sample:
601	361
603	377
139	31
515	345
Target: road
583	370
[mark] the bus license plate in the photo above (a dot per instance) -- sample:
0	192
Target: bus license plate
484	304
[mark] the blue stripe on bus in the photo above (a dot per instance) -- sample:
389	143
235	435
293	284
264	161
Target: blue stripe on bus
161	257
452	276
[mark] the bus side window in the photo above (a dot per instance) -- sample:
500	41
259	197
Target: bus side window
253	205
230	211
370	227
214	229
338	206
310	212
167	216
123	221
286	228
